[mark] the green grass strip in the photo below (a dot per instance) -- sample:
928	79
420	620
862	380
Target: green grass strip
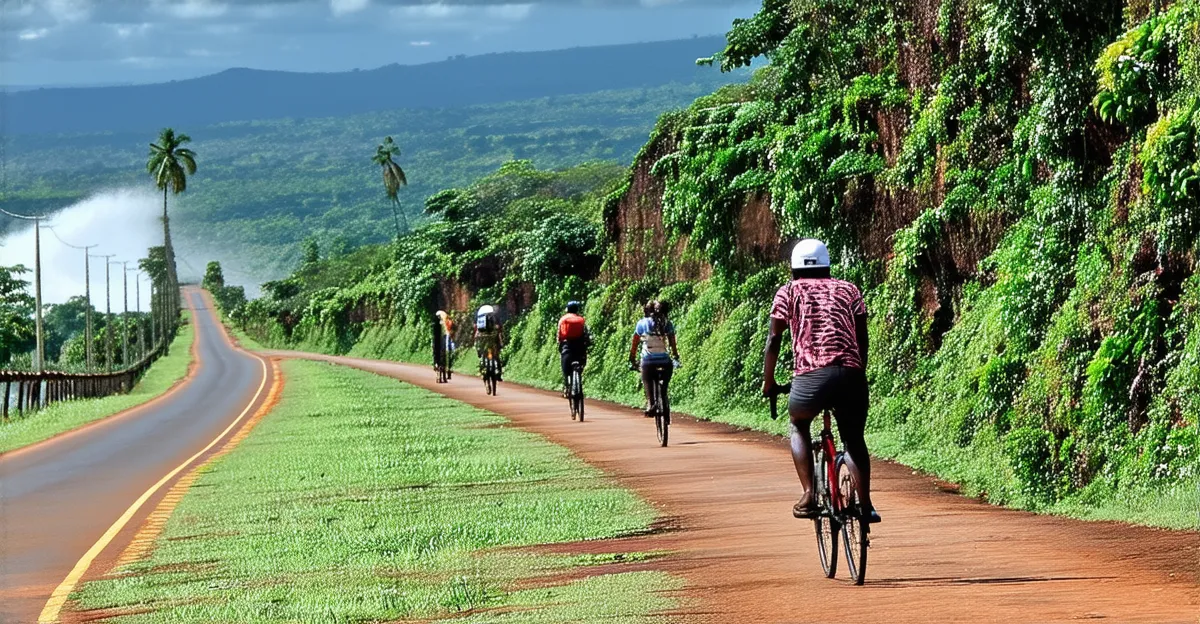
68	415
363	499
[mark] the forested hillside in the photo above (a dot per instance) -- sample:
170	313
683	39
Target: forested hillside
264	186
240	94
1013	184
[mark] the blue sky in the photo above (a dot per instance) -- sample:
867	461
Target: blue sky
73	42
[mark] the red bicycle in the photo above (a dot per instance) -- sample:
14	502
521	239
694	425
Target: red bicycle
838	501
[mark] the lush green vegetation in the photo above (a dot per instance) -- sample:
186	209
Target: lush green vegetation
18	335
65	416
264	186
1013	185
413	524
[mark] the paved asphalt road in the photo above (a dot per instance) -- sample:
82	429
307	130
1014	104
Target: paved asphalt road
58	497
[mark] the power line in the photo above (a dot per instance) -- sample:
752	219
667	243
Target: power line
55	233
20	216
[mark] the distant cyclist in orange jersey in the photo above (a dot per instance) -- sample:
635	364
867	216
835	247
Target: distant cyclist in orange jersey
573	340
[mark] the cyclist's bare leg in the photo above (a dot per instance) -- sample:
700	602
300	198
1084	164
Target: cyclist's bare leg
648	378
856	447
851	414
802	456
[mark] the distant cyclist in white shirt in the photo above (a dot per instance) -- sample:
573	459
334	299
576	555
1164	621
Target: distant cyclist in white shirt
656	336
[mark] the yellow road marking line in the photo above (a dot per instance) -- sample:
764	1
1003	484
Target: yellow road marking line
143	541
59	598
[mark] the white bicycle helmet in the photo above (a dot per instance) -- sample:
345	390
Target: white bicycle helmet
810	253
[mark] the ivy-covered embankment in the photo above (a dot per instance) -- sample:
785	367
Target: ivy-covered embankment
1016	186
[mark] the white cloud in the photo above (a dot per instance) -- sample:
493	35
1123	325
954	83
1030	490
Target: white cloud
125	31
142	61
420	44
191	9
346	7
22	10
68	11
32	35
200	53
435	11
509	12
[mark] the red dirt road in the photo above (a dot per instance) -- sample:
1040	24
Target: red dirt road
726	497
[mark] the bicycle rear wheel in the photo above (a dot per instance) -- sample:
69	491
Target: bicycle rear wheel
825	523
662	414
854	526
577	394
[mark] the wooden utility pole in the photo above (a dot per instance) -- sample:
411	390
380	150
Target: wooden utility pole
87	293
108	337
40	355
40	364
137	296
125	315
153	325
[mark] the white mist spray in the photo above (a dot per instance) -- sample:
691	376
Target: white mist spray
124	222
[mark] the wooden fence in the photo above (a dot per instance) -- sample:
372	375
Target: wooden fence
34	391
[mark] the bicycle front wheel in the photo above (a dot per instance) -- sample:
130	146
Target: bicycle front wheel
825	523
854	525
662	415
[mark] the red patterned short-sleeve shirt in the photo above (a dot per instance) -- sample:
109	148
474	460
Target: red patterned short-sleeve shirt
821	315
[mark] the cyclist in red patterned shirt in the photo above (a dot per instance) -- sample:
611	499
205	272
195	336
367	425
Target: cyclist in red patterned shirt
828	323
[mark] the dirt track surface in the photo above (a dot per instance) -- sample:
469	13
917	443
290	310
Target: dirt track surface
726	498
59	496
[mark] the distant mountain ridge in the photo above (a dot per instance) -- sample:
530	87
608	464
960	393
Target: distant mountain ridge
247	94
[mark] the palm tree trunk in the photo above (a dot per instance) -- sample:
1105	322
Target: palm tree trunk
172	298
396	218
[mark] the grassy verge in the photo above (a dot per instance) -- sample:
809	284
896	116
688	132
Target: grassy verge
68	415
362	499
242	338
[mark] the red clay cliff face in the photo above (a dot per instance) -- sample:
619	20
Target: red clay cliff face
637	230
642	243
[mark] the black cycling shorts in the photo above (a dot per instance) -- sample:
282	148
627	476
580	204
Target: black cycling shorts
838	388
572	351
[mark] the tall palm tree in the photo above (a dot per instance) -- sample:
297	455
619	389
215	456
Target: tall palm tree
393	178
170	164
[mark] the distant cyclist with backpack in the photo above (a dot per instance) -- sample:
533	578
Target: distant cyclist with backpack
828	323
655	335
489	336
573	340
443	343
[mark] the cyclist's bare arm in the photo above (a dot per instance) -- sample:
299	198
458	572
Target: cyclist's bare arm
637	340
674	347
774	341
860	334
